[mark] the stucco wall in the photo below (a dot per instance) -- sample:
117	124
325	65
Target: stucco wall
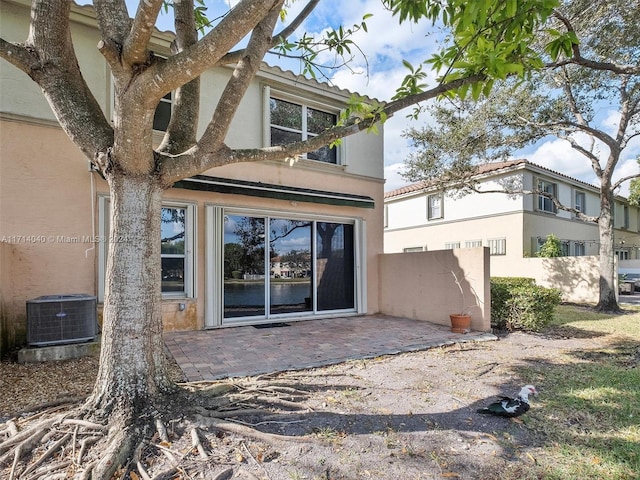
46	202
576	277
49	198
421	286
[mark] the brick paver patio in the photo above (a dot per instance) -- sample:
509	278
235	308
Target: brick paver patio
243	351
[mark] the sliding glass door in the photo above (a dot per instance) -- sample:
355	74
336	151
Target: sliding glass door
278	267
335	263
244	266
290	266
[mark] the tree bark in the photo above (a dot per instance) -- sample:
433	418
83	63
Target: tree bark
607	301
132	366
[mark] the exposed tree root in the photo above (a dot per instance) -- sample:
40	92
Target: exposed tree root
177	437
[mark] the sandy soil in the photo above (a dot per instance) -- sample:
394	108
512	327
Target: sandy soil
406	416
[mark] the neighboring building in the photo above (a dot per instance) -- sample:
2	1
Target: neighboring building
419	217
223	232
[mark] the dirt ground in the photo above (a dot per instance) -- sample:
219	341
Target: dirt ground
406	416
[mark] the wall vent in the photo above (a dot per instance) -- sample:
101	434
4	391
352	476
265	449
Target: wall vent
60	319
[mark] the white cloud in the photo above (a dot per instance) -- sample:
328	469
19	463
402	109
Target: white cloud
393	180
559	156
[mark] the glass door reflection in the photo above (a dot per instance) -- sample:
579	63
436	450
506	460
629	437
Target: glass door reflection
335	266
244	266
290	265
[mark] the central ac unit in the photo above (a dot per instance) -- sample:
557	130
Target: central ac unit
60	319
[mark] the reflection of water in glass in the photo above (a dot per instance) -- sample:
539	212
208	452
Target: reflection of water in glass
289	293
252	294
243	294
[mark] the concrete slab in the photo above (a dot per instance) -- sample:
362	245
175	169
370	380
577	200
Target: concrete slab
58	352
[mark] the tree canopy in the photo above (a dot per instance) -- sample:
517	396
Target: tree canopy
591	64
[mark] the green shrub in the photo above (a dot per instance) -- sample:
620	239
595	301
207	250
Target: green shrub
519	304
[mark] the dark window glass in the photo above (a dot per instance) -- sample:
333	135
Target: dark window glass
286	114
318	122
335	266
172	274
324	154
284	137
163	114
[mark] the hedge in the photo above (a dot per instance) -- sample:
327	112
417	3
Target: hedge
517	303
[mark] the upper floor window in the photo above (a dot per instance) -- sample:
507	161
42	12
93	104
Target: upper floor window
472	243
580	202
451	245
545	204
434	206
293	122
163	113
625	216
579	249
412	249
497	246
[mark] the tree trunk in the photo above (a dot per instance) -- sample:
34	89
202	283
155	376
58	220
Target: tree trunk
132	365
607	301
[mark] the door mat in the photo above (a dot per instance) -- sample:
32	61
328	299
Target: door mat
272	325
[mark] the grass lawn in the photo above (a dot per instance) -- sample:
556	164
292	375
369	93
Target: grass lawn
589	414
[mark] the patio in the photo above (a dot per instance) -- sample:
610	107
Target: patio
253	350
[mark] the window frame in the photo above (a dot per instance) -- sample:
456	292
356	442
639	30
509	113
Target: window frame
430	209
188	255
452	245
581	206
305	134
497	246
190	274
542	201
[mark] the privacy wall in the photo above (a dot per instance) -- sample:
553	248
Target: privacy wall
422	285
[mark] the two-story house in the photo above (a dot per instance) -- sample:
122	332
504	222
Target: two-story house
419	217
221	229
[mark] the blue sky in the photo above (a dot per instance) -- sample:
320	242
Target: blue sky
377	76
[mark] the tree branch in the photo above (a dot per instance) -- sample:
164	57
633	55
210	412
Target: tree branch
59	76
233	57
578	59
185	165
18	56
235	89
624	179
183	126
113	20
163	77
134	50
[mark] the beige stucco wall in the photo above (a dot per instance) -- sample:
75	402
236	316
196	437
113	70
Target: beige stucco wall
421	286
434	236
576	277
48	200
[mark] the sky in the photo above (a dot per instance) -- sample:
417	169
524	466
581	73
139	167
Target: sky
379	72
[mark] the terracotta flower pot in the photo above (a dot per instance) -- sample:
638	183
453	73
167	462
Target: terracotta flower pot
460	323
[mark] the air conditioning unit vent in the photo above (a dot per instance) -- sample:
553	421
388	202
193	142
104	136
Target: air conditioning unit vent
60	319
